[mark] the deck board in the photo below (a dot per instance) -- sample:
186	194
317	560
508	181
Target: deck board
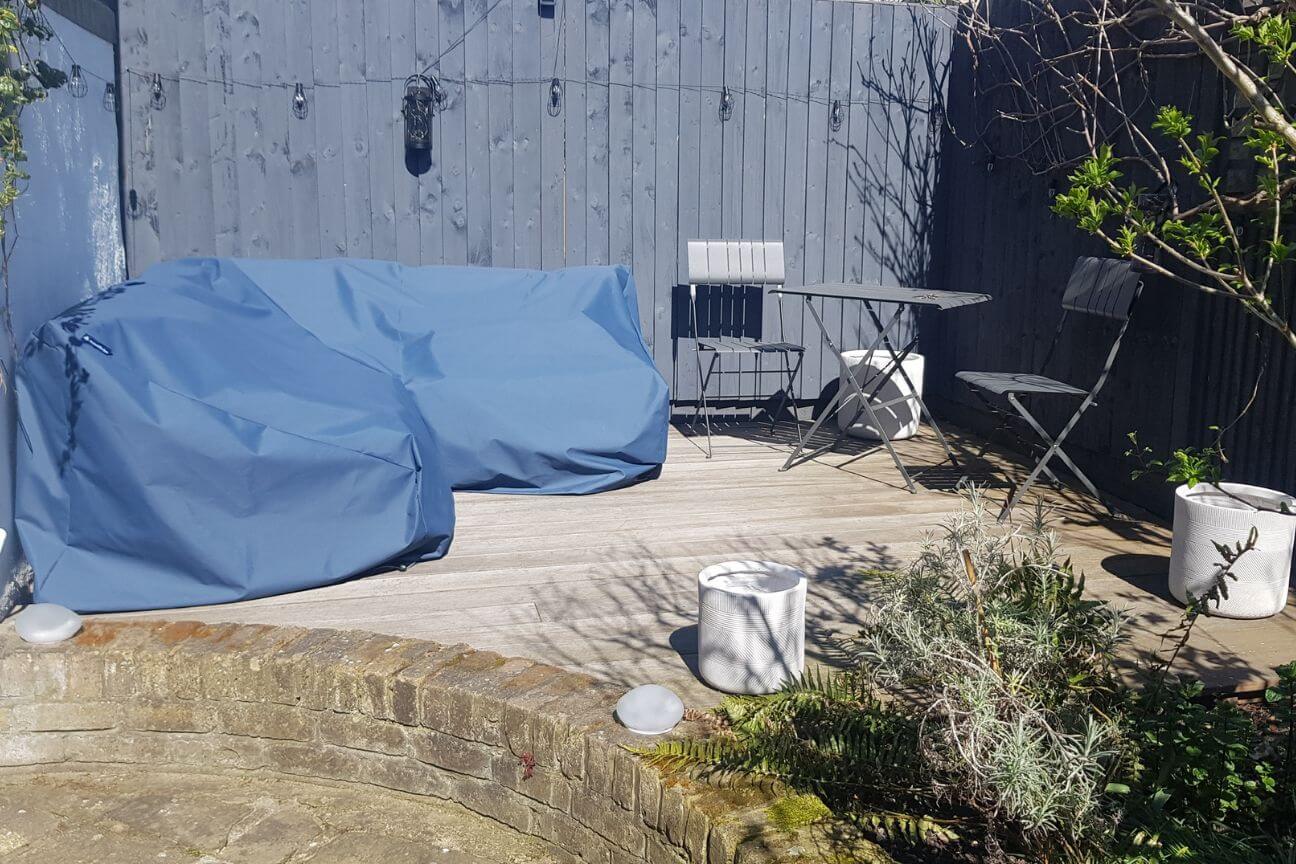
606	583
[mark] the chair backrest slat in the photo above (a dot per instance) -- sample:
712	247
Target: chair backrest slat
1102	286
735	262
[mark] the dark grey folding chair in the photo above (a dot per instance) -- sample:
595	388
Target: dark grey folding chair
1098	286
738	262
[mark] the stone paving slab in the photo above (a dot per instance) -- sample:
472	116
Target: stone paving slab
131	816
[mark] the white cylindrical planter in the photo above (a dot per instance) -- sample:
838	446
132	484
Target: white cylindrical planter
1204	516
751	625
900	420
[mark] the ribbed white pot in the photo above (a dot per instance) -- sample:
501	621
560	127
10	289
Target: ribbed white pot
1204	516
751	625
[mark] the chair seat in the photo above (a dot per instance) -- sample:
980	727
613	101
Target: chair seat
726	345
1001	383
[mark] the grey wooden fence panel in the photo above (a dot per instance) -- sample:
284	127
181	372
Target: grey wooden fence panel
636	162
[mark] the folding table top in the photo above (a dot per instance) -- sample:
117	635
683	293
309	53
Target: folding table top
887	294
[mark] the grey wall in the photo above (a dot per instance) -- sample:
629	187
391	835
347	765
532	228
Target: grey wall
636	163
65	234
1189	361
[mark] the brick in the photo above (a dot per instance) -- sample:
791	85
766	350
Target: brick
607	820
451	753
267	720
160	715
360	732
649	798
544	785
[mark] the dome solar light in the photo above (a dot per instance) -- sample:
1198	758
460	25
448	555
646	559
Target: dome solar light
76	83
650	709
46	623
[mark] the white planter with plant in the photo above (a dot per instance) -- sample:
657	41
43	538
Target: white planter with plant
1237	541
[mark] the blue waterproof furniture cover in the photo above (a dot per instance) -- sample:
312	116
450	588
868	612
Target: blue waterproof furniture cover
185	442
534	381
227	429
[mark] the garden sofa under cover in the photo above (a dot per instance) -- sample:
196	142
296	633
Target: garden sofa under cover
220	429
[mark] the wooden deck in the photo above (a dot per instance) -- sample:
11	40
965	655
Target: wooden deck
607	583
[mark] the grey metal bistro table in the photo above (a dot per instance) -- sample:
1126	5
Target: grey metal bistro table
870	295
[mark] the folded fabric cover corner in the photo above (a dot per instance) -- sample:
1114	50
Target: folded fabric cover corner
221	430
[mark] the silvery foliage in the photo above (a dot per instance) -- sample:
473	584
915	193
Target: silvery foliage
994	653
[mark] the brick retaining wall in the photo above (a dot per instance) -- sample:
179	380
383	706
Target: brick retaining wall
528	745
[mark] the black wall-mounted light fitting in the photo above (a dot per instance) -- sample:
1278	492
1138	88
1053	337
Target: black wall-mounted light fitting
726	104
158	97
300	107
836	115
417	111
554	106
110	97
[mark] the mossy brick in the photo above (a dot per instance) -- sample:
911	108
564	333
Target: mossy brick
563	831
268	720
674	814
306	672
569	751
361	732
403	706
545	785
405	775
164	715
697	829
660	851
649	796
322	761
607	820
475	681
625	778
731	831
491	800
453	754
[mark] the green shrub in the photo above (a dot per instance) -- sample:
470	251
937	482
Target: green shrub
982	719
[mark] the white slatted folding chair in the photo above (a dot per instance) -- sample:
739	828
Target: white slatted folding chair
739	263
1104	287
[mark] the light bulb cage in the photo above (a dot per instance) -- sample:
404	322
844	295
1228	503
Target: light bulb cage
554	106
300	107
110	97
157	98
726	104
76	82
417	109
836	116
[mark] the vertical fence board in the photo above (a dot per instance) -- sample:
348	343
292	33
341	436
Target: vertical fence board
431	188
499	140
553	221
454	196
598	14
621	132
355	129
666	238
528	108
575	164
644	177
405	187
326	115
303	189
478	179
381	116
732	133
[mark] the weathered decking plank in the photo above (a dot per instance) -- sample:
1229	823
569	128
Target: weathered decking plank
607	583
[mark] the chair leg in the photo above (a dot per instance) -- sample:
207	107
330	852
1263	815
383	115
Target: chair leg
702	409
1054	448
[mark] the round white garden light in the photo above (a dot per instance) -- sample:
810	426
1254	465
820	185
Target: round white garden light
44	623
650	709
1203	516
751	625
